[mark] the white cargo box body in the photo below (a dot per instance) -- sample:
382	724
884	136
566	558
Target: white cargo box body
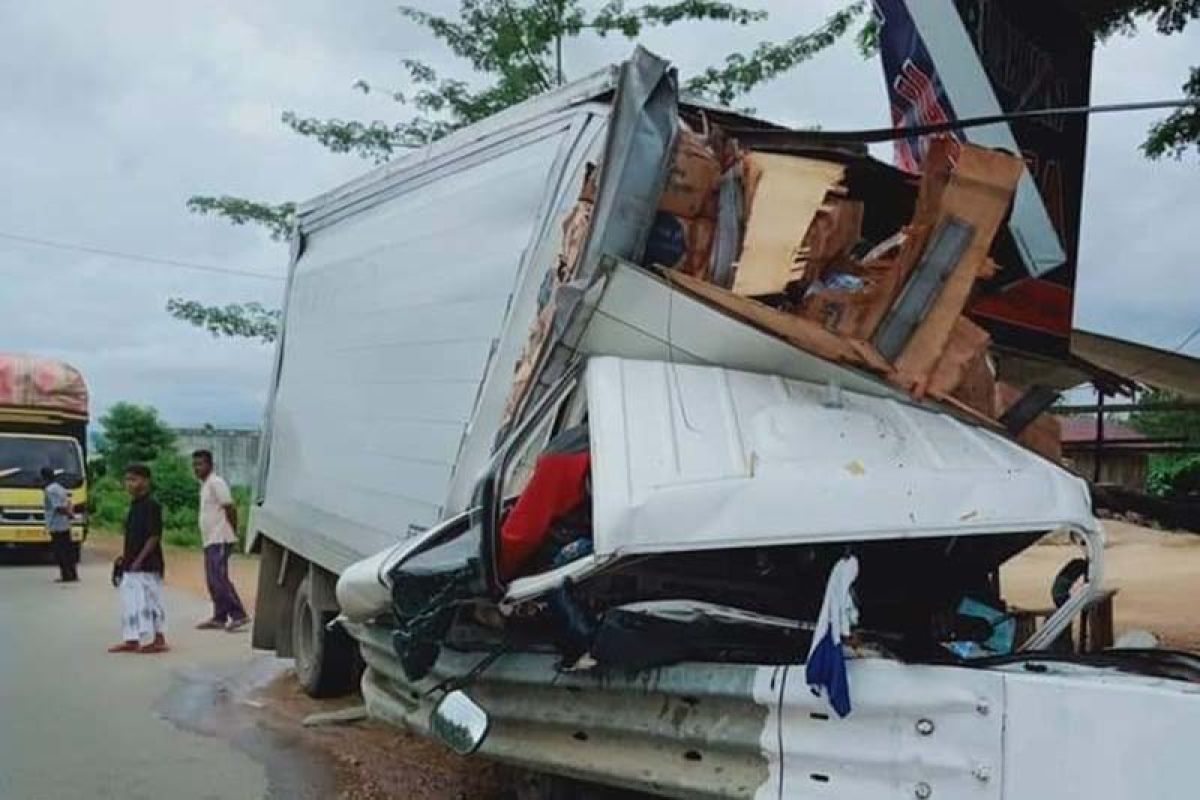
409	299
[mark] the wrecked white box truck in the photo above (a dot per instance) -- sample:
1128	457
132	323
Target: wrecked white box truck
664	636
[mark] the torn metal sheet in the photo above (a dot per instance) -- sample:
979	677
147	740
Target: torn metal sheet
642	129
641	132
728	239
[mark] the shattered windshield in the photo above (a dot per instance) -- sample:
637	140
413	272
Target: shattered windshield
22	459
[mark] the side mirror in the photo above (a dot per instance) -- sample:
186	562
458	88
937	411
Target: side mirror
460	723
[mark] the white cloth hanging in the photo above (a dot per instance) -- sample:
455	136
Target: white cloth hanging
825	669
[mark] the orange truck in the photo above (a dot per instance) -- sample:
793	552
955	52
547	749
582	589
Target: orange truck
43	423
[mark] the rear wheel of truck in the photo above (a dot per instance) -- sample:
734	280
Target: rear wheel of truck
326	660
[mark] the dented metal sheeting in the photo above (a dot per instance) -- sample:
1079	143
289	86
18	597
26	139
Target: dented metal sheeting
688	457
642	130
636	314
912	726
692	731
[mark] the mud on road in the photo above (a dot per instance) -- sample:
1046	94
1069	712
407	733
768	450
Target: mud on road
259	708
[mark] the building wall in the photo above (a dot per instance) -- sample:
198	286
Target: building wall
1123	469
235	452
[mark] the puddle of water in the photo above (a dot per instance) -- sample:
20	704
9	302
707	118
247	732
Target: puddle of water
217	702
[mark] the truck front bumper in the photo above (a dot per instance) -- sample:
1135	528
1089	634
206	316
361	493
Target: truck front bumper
34	535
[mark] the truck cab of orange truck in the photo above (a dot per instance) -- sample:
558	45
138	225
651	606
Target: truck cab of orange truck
43	423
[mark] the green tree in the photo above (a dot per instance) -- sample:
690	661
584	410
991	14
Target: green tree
130	433
1170	473
515	48
1179	132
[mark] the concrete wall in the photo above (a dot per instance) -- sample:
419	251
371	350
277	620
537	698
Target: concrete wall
235	452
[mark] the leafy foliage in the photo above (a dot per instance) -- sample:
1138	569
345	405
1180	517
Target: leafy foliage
131	433
741	73
516	47
1180	131
1170	474
135	433
243	320
275	218
1108	17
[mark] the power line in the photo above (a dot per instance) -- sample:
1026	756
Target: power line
890	134
1152	362
170	262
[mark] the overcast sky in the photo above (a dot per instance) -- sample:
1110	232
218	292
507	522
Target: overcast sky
116	112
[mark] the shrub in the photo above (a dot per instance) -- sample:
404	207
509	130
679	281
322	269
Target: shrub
107	502
175	487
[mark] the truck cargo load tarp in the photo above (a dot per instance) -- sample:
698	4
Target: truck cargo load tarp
41	383
688	458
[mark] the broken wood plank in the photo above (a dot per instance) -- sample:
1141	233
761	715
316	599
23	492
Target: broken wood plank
979	193
341	716
803	333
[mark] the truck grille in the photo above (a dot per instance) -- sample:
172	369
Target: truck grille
22	516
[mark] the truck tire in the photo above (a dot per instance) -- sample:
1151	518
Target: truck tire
326	660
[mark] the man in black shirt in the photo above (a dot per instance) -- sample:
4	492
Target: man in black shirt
143	619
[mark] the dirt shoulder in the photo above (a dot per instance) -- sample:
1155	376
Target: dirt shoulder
185	568
373	761
1156	575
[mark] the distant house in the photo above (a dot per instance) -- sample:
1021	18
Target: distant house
1124	460
235	451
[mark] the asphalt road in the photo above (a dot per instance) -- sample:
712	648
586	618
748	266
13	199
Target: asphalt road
77	722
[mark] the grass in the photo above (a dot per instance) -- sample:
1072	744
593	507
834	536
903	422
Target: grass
179	539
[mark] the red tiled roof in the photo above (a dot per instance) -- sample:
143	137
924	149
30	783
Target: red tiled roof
1083	429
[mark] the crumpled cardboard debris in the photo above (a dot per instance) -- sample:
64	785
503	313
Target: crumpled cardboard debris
800	273
964	371
979	192
785	194
693	177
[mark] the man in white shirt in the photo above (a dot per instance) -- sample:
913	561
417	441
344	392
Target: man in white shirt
218	526
57	505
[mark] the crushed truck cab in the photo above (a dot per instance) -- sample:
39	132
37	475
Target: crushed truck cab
720	501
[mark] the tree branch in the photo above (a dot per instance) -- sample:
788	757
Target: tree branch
740	73
1180	131
237	320
275	218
